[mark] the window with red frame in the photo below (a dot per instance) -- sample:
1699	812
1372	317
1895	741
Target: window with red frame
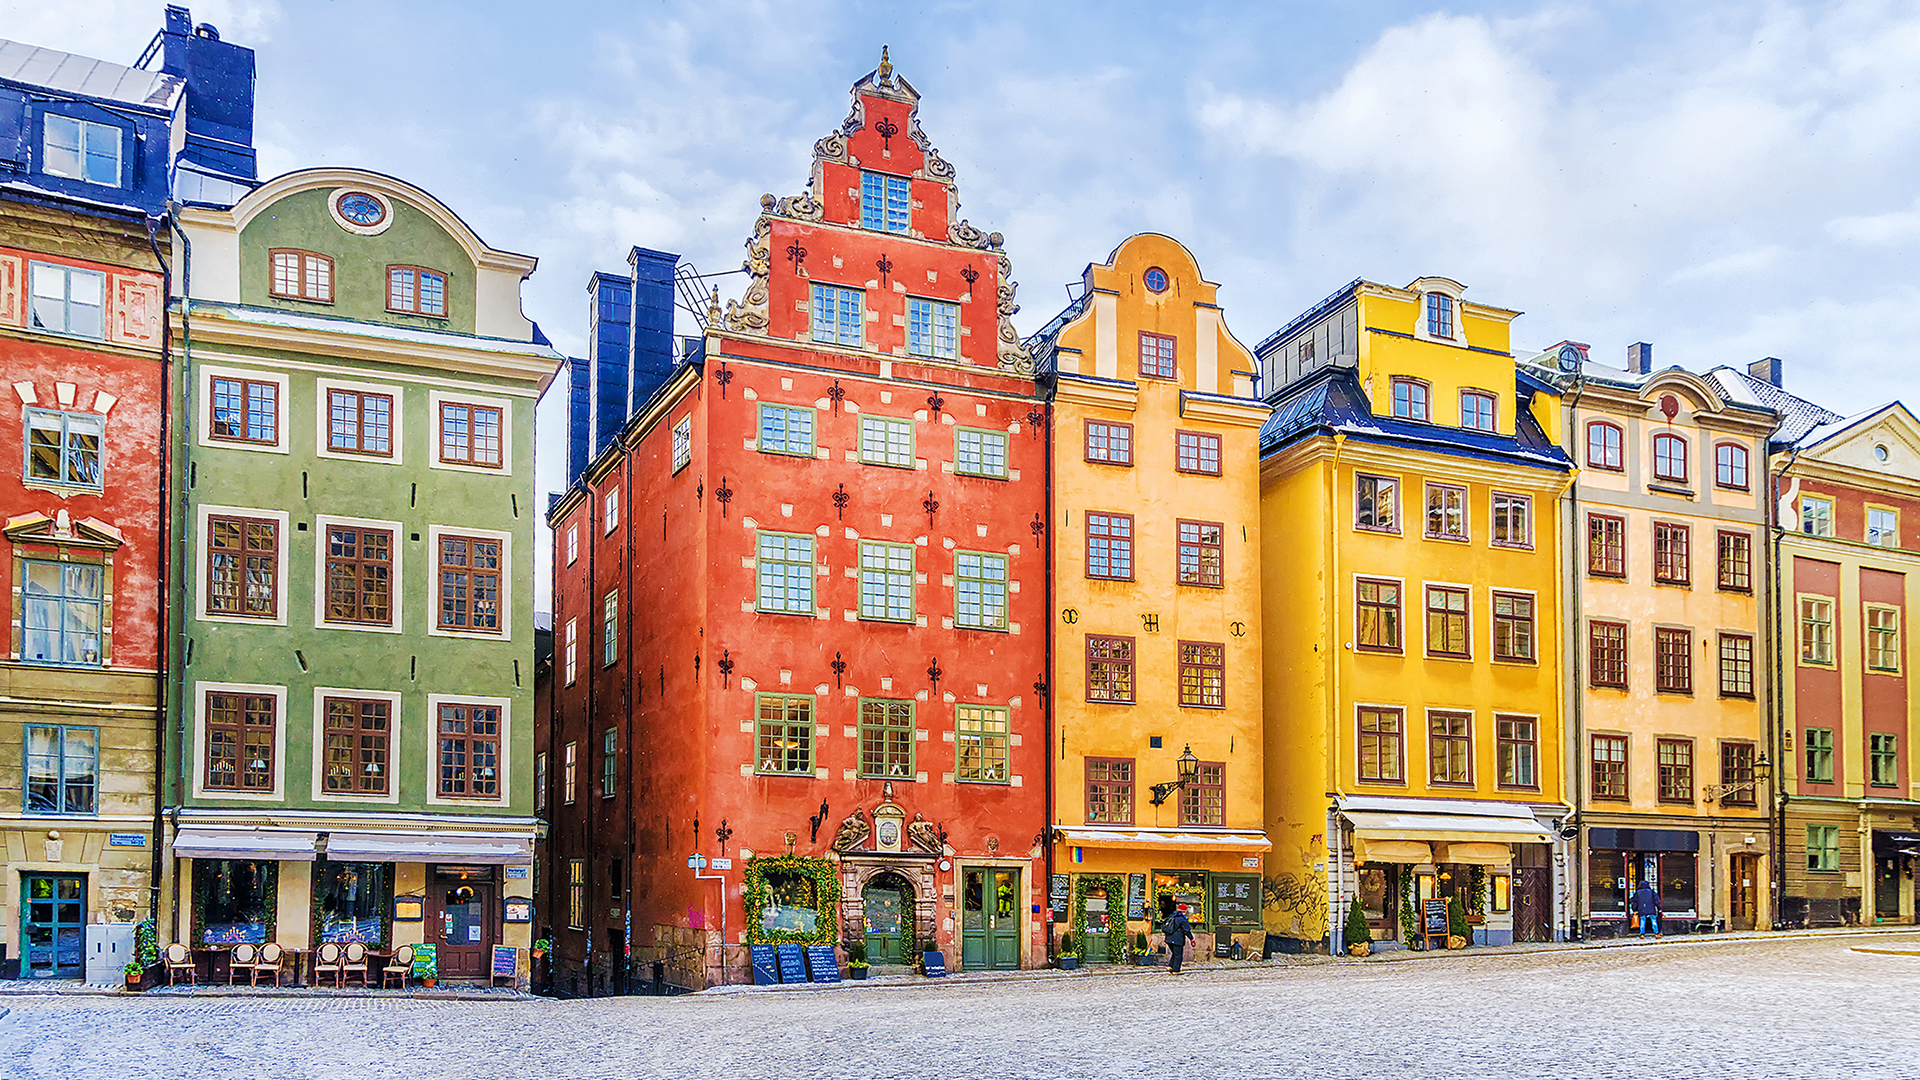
1604	443
1670	458
1197	452
1157	356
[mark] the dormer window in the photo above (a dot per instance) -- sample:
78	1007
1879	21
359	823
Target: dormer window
301	275
81	150
1439	315
416	290
886	202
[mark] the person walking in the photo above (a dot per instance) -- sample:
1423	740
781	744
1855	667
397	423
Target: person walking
1179	932
1646	904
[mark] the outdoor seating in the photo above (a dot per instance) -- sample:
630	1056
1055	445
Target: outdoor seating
179	958
269	960
327	962
354	963
239	960
399	967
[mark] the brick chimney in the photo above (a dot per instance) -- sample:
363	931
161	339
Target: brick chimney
1640	358
1767	370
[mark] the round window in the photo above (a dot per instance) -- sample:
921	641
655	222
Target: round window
1156	280
361	209
1880	452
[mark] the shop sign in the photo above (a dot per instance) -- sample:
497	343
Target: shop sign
426	960
1059	892
1136	896
126	839
933	964
766	964
1236	901
823	966
793	964
517	873
506	961
1433	921
723	864
408	909
519	909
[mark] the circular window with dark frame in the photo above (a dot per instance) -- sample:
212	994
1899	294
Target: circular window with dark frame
1155	279
361	208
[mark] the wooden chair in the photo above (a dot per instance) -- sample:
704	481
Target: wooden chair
269	960
327	962
179	958
399	967
355	963
240	959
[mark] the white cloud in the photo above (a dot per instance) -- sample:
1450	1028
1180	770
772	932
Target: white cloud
118	30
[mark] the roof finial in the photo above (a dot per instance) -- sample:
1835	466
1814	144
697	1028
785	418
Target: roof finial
713	307
886	68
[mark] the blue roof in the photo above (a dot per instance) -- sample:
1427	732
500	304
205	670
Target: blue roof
1330	401
1311	315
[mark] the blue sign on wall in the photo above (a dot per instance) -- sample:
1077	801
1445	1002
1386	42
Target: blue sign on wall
766	965
126	839
793	964
822	964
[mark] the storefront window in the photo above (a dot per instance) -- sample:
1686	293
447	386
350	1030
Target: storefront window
350	901
1677	882
793	904
234	900
1189	887
1607	888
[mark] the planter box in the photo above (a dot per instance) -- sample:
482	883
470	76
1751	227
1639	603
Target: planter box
1069	963
857	973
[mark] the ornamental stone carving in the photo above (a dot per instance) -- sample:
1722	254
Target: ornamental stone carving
924	834
853	831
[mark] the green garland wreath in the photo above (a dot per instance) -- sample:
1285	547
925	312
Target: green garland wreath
1477	894
1119	945
826	884
1409	918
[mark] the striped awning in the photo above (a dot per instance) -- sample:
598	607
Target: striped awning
279	845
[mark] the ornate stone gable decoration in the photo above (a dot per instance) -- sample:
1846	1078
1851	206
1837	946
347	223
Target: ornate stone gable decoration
853	831
889	828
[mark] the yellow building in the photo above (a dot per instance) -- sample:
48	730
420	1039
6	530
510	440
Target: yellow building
1156	571
1409	482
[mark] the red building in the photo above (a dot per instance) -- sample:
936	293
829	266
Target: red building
800	596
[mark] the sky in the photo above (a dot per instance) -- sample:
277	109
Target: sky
1725	180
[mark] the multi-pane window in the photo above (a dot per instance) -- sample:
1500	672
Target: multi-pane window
786	429
1883	527
1672	553
837	315
886	440
610	511
245	410
570	652
470	750
79	149
1109	668
1199	551
67	300
1816	630
357	734
1410	399
1736	665
886	581
1606	545
609	762
470	584
1819	750
1109	443
301	275
540	780
1157	356
1196	452
610	628
1447	621
785	573
1517	752
1605	443
933	328
1670	458
64	448
1736	562
240	732
886	202
576	893
1203	674
1609	766
1204	802
1673	660
1816	516
1446	512
1380	745
980	453
63	770
1376	503
886	739
1450	747
1675	770
1883	759
471	434
62	612
1476	410
1607	654
1737	786
683	443
243	567
1512	520
1439	315
1883	638
1823	848
570	772
1110	546
980	590
573	544
1513	636
416	290
982	733
359	565
1377	614
1109	791
1730	466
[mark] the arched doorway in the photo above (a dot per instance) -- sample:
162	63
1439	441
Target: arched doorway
888	903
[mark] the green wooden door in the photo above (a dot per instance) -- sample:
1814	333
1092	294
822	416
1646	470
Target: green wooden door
889	911
53	926
990	920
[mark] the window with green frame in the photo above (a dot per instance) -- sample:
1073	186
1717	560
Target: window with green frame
1883	760
978	452
886	440
886	738
784	736
1823	848
886	581
785	573
610	629
983	745
980	590
786	429
1819	744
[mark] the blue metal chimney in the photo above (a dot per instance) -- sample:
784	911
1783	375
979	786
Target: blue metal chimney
608	360
652	323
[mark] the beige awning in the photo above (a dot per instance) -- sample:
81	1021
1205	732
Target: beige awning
478	848
1178	839
279	845
1475	853
1392	851
1369	825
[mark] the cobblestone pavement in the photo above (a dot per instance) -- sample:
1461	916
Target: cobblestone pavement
1812	1008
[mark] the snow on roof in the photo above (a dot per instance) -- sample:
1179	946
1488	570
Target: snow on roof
86	77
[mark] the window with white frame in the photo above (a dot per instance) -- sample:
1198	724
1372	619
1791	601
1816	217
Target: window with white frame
1816	516
933	328
573	544
1476	410
785	573
610	628
1883	527
786	429
886	202
64	448
683	443
62	613
980	453
886	581
610	510
571	652
77	149
68	300
836	315
886	440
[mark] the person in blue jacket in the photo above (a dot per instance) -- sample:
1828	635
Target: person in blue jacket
1179	932
1646	904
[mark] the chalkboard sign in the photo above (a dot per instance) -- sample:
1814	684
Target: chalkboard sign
426	960
1433	921
506	961
933	964
822	965
1136	896
793	964
1223	946
1236	900
1059	892
766	965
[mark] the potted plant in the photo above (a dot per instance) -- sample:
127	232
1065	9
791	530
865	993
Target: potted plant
857	960
540	947
134	972
1458	933
1359	935
1069	953
1142	952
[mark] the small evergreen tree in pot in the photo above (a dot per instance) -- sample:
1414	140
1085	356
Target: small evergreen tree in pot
1457	923
1359	935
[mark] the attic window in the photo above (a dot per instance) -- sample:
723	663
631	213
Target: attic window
81	150
1439	315
1155	279
886	202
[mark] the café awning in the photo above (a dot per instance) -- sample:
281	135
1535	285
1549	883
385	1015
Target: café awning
1474	853
280	845
1447	828
478	848
1392	851
1168	839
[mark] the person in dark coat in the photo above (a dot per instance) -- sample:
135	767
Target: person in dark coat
1646	904
1179	932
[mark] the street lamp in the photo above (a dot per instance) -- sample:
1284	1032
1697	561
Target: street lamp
1189	774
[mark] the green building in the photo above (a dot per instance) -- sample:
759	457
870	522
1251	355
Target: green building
350	739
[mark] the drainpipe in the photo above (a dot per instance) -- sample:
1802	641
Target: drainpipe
1776	716
628	700
158	855
181	547
1577	900
1048	678
1336	931
594	602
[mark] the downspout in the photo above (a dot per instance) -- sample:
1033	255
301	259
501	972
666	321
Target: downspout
158	855
1048	678
1776	716
1336	930
625	745
180	541
594	606
1578	899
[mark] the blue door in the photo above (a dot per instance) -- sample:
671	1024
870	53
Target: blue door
54	926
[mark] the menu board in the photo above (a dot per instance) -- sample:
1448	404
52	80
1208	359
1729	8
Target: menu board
1059	892
426	960
823	965
1433	921
933	964
1136	896
506	961
766	965
1236	901
793	964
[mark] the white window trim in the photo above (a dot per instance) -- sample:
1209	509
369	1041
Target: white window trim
392	698
279	695
205	390
333	210
395	591
673	448
1420	289
434	400
609	513
509	581
202	539
434	701
570	653
323	386
119	155
573	544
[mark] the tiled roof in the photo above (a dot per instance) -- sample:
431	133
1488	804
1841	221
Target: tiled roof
1042	342
1798	416
1330	401
84	76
